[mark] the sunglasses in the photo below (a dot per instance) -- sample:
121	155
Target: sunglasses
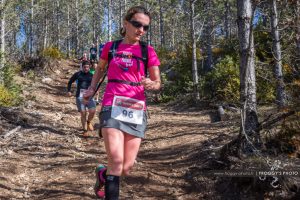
137	24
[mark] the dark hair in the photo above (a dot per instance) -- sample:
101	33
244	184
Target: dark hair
131	12
86	62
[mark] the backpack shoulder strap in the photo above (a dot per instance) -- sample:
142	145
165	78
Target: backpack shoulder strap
144	48
111	54
113	50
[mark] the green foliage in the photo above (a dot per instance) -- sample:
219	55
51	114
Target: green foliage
230	47
9	90
293	88
167	94
265	84
6	97
8	75
31	75
263	51
179	62
223	82
52	52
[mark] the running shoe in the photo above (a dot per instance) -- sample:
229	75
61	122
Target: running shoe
100	181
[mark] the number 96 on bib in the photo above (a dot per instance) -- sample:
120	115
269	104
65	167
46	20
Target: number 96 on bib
128	110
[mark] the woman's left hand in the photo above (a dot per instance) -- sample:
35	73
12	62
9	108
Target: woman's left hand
148	83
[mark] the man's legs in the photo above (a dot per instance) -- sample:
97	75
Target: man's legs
83	119
90	118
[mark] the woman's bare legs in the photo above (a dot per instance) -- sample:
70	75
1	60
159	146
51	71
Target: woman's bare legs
122	149
114	146
131	148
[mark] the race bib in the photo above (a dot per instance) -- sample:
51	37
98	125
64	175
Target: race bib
82	91
128	110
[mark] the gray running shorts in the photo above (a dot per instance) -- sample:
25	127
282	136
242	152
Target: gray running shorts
106	121
80	106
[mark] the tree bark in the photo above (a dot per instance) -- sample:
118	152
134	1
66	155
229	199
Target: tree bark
31	29
208	36
298	32
161	25
109	18
46	24
68	31
2	36
57	24
77	28
227	19
280	91
121	13
194	55
249	119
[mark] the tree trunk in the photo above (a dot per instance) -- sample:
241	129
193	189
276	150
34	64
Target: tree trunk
77	28
121	13
94	21
194	55
208	37
68	31
149	32
227	19
125	5
249	121
173	34
161	25
298	32
280	91
31	29
109	18
2	35
45	26
57	24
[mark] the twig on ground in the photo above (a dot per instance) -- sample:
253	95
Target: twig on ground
11	132
270	123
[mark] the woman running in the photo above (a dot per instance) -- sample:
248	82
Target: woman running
123	117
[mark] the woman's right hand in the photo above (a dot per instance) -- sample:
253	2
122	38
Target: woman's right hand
88	93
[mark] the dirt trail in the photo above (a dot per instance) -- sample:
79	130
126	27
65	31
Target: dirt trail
49	159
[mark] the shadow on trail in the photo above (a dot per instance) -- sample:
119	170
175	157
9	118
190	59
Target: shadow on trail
149	186
185	158
14	189
193	129
71	189
55	109
46	128
58	90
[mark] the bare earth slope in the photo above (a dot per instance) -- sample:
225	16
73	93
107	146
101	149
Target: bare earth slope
47	157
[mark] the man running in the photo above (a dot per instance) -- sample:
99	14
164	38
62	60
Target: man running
93	53
83	58
84	78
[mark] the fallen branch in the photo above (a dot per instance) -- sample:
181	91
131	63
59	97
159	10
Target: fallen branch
11	132
270	123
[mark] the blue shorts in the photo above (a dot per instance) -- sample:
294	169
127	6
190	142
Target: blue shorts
81	107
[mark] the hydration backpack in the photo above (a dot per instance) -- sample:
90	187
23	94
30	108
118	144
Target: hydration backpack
112	53
144	58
